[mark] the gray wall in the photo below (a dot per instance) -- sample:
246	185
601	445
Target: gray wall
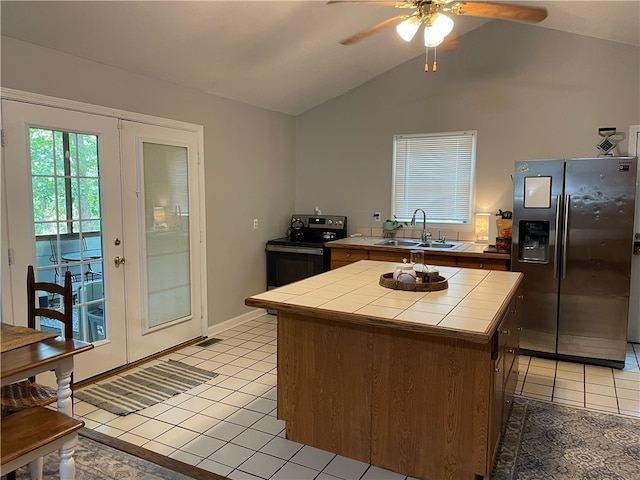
249	158
530	92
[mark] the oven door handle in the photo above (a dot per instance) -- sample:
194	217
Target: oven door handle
302	250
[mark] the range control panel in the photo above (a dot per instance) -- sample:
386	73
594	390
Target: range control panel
322	222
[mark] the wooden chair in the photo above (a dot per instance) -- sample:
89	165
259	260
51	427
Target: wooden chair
27	393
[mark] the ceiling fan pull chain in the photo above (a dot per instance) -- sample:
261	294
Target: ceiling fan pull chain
426	61
435	59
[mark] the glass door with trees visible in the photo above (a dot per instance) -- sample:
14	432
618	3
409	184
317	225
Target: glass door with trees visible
62	172
67	223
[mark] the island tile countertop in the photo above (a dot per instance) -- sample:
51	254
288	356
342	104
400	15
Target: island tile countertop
471	308
465	249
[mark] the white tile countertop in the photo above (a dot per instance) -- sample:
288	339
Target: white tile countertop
471	307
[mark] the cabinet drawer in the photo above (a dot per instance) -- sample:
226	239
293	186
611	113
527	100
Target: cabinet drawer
443	260
483	263
348	255
389	256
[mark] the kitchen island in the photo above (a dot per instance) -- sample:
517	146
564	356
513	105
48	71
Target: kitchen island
415	382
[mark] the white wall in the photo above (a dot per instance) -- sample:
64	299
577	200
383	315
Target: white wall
249	158
530	92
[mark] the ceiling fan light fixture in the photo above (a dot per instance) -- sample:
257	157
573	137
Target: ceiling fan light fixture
407	29
442	24
431	37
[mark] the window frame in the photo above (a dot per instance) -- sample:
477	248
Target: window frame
404	215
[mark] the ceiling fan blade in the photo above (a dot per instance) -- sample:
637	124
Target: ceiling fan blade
502	11
389	22
372	2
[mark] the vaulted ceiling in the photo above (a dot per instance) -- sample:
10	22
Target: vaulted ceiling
279	55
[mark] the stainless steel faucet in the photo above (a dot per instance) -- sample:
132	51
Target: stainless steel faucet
425	235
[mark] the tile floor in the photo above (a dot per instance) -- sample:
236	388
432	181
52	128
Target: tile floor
229	426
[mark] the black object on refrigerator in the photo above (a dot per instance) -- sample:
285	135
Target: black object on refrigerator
573	240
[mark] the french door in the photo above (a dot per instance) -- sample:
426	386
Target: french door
111	201
159	180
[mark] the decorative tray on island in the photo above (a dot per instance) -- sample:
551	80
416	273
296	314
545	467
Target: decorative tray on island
439	283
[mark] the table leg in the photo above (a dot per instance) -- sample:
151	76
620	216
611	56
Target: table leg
35	468
63	379
67	462
65	405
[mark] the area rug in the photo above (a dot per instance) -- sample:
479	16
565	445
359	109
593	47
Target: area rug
116	459
547	441
135	391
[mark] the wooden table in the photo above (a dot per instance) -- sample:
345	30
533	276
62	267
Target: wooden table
44	355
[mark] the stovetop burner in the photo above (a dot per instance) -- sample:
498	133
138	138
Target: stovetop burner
311	230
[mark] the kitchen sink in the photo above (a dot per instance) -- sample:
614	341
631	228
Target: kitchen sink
391	242
438	245
400	243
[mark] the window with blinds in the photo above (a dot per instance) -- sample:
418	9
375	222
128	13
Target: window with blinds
435	172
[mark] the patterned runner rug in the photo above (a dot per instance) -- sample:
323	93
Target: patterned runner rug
554	442
100	457
129	393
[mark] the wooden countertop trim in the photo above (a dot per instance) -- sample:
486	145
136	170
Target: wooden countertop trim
359	319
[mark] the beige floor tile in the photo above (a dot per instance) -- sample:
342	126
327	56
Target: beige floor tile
629	385
543	362
565	401
538	379
606	390
569	384
628	394
600	379
565	394
592	399
632	405
597	371
627	376
570	375
538	390
541	371
570	367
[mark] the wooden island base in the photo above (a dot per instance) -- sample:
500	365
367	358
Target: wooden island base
421	405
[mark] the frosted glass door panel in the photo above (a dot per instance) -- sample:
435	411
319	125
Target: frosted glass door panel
167	232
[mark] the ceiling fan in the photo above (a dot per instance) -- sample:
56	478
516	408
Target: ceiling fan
433	14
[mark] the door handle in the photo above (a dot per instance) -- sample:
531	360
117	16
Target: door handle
555	246
118	260
565	235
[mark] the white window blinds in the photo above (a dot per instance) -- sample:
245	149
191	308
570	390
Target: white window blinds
434	172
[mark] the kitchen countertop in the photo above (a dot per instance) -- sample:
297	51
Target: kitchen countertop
465	249
471	308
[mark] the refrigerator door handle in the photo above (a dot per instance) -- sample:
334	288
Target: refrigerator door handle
565	235
557	241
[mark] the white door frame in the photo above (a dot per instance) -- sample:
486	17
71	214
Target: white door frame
44	100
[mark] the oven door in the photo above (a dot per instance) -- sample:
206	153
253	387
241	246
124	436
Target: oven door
287	264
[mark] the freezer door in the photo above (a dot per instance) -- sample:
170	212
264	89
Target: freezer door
596	263
538	188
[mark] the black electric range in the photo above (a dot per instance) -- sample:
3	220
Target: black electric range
302	253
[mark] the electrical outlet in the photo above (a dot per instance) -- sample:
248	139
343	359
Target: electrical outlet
255	223
376	216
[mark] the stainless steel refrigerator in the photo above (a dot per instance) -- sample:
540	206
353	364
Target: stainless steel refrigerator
573	240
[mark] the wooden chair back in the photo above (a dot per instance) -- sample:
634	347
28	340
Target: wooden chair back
66	298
